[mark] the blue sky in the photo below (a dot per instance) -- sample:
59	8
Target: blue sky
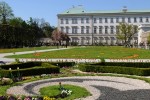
48	9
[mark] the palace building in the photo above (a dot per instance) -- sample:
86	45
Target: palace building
91	27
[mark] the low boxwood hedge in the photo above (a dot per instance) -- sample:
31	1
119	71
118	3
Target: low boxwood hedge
63	64
129	64
21	65
115	69
30	71
25	69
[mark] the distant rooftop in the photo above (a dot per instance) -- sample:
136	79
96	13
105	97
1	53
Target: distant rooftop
81	10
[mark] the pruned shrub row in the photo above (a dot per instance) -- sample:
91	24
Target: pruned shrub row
126	64
63	64
32	64
30	71
129	64
115	69
21	65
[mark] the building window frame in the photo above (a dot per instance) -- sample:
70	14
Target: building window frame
135	19
67	22
87	29
111	20
82	20
95	29
82	29
106	29
147	19
100	29
95	20
106	20
141	19
112	29
67	29
117	20
129	20
61	21
74	30
87	20
100	20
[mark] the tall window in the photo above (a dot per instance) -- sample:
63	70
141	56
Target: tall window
112	29
135	20
123	19
117	20
82	20
147	19
61	21
74	29
106	20
111	20
87	29
67	21
129	20
62	29
94	20
100	29
87	20
141	19
100	20
95	29
82	29
74	20
67	29
106	29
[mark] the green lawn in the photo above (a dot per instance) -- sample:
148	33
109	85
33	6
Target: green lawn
77	92
92	52
25	49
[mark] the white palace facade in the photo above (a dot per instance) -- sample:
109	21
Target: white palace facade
90	27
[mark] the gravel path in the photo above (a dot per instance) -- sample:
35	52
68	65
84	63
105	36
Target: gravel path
101	87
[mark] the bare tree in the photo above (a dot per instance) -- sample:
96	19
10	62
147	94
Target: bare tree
57	37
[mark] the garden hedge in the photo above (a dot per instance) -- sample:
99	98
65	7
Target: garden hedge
63	64
115	69
126	64
21	65
30	71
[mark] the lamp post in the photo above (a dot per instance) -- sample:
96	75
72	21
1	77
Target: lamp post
18	73
11	76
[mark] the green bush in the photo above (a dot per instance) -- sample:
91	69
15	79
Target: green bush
115	69
30	71
127	64
21	65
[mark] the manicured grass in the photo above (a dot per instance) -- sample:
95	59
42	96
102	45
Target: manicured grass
3	89
25	49
77	92
92	52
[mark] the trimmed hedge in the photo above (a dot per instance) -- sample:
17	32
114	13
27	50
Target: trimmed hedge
63	64
21	65
28	69
115	69
126	64
31	71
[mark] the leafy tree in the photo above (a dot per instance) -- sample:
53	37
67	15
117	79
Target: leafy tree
126	33
5	12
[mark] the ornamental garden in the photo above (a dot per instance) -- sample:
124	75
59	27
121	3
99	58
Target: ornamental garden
24	71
